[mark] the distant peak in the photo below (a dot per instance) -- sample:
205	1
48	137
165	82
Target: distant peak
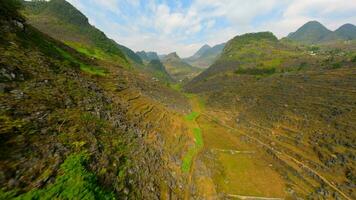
206	46
174	54
313	24
348	25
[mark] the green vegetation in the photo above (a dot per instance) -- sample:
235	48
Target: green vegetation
92	70
193	151
74	182
84	67
192	116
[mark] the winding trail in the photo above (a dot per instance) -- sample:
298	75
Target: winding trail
278	154
251	197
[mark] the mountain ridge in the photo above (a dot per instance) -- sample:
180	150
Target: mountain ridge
313	32
61	20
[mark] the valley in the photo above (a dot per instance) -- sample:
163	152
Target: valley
253	118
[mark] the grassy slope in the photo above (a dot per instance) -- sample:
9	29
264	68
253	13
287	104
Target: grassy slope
81	105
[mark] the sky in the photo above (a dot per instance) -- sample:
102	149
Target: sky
184	26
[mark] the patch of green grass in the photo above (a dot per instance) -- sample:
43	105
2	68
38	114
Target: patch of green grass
92	70
198	137
188	158
192	116
178	87
85	68
75	182
99	54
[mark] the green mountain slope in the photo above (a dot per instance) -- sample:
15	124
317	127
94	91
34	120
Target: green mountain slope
178	69
64	22
205	56
158	70
347	32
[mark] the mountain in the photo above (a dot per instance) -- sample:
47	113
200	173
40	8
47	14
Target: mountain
205	56
315	33
61	20
179	69
148	56
347	32
311	32
158	70
201	51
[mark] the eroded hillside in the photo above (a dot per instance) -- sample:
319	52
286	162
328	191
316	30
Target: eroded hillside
77	127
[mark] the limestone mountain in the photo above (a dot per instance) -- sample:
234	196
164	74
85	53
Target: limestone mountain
347	32
178	68
314	32
61	20
311	32
205	56
201	51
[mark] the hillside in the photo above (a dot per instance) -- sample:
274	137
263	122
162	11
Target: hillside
296	105
64	22
178	69
76	127
205	56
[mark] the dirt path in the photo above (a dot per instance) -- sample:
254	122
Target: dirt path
251	197
279	154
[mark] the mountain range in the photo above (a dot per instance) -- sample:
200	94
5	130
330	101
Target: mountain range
205	56
314	32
